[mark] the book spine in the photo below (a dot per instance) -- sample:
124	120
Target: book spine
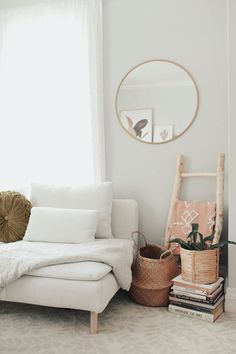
191	313
191	307
182	285
197	288
190	298
187	293
190	290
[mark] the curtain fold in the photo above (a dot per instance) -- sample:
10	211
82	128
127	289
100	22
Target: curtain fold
51	112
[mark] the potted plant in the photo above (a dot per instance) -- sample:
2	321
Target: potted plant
200	257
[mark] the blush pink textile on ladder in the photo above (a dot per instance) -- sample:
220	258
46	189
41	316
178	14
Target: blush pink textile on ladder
185	214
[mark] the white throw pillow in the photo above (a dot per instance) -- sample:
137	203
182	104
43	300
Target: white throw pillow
96	197
61	225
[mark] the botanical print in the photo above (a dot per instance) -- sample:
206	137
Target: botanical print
162	133
138	123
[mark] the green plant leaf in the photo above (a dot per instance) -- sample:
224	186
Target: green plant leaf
195	227
231	242
202	242
182	243
197	246
192	237
221	244
190	234
209	238
193	234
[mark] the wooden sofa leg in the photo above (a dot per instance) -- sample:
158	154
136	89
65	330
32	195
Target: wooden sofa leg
93	322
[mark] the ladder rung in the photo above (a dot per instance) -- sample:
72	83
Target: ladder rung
199	174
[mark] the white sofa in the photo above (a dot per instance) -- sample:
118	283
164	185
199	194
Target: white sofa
84	285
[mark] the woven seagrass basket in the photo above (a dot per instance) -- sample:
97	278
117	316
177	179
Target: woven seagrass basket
152	274
200	266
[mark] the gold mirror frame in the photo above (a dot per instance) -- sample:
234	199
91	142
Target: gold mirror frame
195	112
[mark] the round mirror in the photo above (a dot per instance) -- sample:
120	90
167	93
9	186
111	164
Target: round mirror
157	101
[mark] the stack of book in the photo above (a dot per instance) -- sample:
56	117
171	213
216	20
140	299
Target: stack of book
201	301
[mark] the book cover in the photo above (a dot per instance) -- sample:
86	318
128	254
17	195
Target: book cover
206	288
204	299
195	292
197	314
196	306
177	290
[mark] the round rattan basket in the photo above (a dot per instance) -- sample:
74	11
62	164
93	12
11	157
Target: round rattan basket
200	266
152	274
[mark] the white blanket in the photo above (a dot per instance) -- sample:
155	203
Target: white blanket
19	258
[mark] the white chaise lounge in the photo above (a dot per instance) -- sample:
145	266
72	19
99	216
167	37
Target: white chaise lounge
84	285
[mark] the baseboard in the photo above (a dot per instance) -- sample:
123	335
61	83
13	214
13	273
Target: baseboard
230	300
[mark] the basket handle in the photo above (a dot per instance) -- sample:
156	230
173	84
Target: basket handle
165	253
139	234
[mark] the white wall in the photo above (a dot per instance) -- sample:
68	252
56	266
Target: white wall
232	143
10	3
192	33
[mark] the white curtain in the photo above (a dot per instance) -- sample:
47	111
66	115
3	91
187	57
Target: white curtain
51	114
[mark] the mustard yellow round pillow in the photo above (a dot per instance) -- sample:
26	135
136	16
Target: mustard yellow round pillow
14	216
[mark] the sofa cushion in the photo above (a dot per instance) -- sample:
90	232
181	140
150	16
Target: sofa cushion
81	295
74	271
14	216
61	225
96	197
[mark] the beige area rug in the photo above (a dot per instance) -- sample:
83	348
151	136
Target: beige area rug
124	328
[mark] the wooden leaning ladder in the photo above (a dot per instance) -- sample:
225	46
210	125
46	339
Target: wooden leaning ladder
180	175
